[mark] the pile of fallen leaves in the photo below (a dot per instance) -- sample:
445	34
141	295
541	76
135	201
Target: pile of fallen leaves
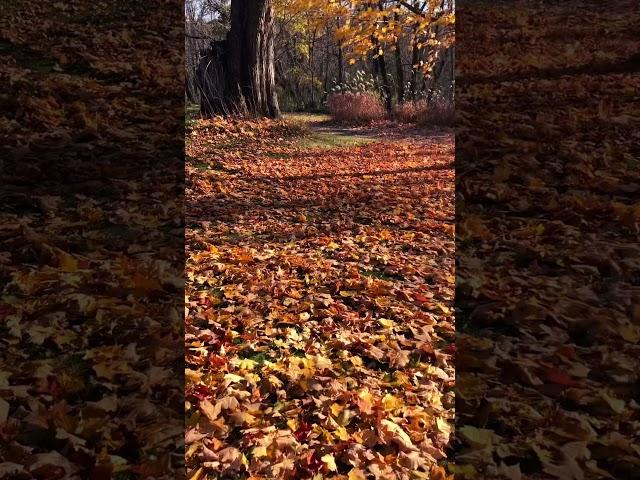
319	316
91	241
547	248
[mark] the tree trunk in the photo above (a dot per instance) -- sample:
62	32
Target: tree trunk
248	62
386	85
340	66
312	51
210	79
340	58
382	68
415	68
399	68
438	68
435	75
327	59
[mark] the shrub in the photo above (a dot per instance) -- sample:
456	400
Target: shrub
410	111
437	112
361	106
361	82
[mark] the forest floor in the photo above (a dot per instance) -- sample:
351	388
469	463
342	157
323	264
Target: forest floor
319	322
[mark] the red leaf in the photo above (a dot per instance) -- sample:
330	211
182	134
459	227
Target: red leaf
559	377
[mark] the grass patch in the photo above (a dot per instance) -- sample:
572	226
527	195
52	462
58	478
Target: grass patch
381	275
213	166
312	137
202	166
190	124
191	116
322	140
258	357
228	145
306	118
192	111
277	154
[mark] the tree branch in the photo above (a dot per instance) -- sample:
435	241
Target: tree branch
412	8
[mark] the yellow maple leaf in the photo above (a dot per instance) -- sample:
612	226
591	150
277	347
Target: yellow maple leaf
616	404
322	362
356	474
385	322
336	409
629	333
68	262
356	361
198	474
330	461
476	437
233	378
443	425
246	364
193	375
341	434
365	401
389	402
400	379
259	452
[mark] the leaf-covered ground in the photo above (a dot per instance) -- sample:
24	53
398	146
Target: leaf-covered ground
547	172
91	241
319	317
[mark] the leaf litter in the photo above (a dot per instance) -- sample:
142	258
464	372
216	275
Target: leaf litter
319	317
547	245
91	257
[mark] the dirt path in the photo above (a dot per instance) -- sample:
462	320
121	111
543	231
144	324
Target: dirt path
320	287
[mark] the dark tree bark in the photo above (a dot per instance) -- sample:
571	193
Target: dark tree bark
438	68
399	68
247	65
436	73
327	59
382	69
416	53
210	79
340	58
386	84
312	51
340	66
415	69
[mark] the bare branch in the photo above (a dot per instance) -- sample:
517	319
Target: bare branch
412	8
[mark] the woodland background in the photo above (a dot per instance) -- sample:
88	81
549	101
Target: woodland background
399	52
